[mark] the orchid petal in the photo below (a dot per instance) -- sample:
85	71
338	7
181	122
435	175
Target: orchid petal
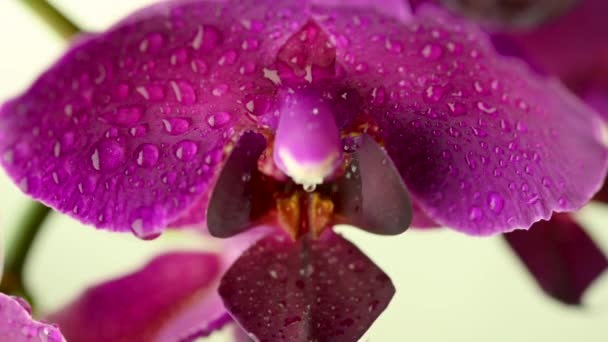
306	290
510	14
372	195
479	139
399	9
144	111
17	325
232	205
573	47
563	259
172	298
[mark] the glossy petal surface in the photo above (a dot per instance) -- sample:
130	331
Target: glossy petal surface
173	298
17	325
143	111
563	259
479	139
324	290
399	9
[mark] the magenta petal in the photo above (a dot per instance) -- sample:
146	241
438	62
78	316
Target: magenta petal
172	298
17	325
127	130
563	259
480	140
399	9
323	290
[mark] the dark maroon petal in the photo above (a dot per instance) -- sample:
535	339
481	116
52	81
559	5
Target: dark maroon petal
563	259
17	325
174	297
479	139
322	290
372	193
232	200
127	130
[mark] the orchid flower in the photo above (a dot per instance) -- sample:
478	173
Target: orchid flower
297	115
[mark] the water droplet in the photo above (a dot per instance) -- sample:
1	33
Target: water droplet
206	37
138	131
151	92
495	202
218	120
199	66
147	155
250	44
107	156
176	126
125	116
310	187
186	150
152	43
184	92
179	56
432	51
475	214
220	90
486	108
228	58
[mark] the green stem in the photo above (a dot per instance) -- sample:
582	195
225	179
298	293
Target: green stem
12	281
53	17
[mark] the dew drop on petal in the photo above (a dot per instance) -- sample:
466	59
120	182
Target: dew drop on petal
147	155
107	155
176	126
432	51
186	150
475	214
218	120
495	202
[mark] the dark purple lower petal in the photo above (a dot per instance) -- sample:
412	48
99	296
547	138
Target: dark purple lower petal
563	259
172	298
17	325
321	290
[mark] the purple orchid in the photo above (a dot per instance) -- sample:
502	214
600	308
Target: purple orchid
296	115
16	324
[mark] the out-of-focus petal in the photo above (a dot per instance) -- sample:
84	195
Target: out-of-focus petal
479	139
173	298
570	44
17	325
573	47
563	259
399	9
127	130
514	15
308	290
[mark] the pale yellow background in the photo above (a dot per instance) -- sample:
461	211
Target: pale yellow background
451	287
